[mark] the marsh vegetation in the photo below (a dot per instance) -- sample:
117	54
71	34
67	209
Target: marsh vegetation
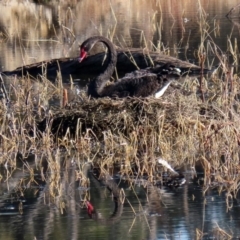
51	130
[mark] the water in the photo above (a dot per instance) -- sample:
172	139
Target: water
34	32
31	33
159	213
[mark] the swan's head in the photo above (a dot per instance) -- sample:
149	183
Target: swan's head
86	46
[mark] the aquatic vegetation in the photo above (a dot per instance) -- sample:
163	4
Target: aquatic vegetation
194	126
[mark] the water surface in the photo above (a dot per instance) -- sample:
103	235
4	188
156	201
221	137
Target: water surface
34	32
31	32
148	212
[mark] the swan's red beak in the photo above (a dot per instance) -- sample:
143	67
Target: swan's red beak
83	55
90	208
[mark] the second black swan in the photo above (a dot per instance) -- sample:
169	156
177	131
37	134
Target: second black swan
141	83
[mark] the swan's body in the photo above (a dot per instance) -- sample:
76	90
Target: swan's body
129	86
141	83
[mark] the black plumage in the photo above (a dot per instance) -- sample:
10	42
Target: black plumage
141	83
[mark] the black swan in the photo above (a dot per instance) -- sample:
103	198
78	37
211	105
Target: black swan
141	83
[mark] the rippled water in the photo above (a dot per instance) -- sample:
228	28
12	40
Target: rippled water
31	32
148	212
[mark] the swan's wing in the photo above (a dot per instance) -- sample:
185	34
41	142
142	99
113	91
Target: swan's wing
142	86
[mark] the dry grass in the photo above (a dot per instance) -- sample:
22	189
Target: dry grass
195	124
131	132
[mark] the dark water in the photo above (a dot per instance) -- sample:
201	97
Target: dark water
32	32
28	209
159	213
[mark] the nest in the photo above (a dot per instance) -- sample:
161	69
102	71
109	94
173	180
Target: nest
123	116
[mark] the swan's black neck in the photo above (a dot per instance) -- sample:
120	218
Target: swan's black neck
97	84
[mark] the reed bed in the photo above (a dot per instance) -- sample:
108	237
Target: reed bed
133	132
179	128
195	125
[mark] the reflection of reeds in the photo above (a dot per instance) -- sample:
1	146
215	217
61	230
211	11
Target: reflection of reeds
220	233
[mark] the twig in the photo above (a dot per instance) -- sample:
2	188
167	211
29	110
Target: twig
202	58
65	97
